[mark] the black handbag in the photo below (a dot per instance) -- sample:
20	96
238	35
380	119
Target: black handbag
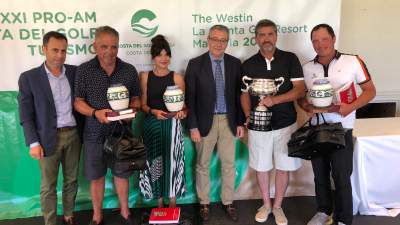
126	151
315	140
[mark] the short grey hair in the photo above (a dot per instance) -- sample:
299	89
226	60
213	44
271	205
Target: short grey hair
219	27
106	30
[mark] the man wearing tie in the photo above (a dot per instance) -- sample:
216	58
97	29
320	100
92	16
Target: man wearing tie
215	116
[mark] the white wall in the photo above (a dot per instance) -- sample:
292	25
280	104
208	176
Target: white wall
370	28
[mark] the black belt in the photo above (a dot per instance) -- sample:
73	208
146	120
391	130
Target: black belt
219	113
63	129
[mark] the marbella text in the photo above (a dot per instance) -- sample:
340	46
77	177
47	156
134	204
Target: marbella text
241	28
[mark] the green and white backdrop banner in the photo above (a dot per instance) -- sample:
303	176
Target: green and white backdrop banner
185	25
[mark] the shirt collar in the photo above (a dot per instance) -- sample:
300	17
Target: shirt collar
49	73
276	55
118	63
212	58
337	56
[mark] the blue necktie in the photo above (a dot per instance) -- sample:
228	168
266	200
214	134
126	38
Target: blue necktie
220	88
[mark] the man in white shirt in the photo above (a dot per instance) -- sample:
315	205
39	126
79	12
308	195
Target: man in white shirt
340	69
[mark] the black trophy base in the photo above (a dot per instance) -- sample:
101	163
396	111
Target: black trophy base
260	120
257	127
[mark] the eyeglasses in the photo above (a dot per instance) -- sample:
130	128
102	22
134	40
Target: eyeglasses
216	40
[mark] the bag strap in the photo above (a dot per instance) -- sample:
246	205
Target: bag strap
126	131
309	123
323	118
322	115
113	130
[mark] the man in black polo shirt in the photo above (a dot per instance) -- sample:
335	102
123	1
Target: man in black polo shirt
267	147
92	81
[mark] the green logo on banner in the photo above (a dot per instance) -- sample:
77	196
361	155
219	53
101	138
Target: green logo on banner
141	29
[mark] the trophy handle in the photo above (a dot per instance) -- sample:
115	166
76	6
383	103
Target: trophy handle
244	79
281	80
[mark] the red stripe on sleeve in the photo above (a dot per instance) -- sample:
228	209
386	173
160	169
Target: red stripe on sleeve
364	68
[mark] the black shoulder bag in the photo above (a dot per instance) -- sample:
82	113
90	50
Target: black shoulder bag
315	140
128	153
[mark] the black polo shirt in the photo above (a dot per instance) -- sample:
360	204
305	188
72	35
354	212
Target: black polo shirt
91	84
284	64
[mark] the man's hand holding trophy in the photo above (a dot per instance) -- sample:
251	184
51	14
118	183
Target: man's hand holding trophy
118	98
260	117
321	97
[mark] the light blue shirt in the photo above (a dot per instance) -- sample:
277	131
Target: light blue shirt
62	98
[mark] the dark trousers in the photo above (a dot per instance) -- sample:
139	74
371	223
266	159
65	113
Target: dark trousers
339	164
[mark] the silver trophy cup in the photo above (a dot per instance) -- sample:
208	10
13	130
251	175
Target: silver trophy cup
260	117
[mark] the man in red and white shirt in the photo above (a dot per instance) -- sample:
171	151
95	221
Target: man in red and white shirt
340	69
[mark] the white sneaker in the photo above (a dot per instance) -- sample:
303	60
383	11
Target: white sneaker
320	218
280	218
262	214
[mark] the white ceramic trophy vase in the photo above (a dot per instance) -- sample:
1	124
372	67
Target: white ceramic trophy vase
174	98
321	93
118	97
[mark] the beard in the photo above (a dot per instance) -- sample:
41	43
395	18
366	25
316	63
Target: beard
268	46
